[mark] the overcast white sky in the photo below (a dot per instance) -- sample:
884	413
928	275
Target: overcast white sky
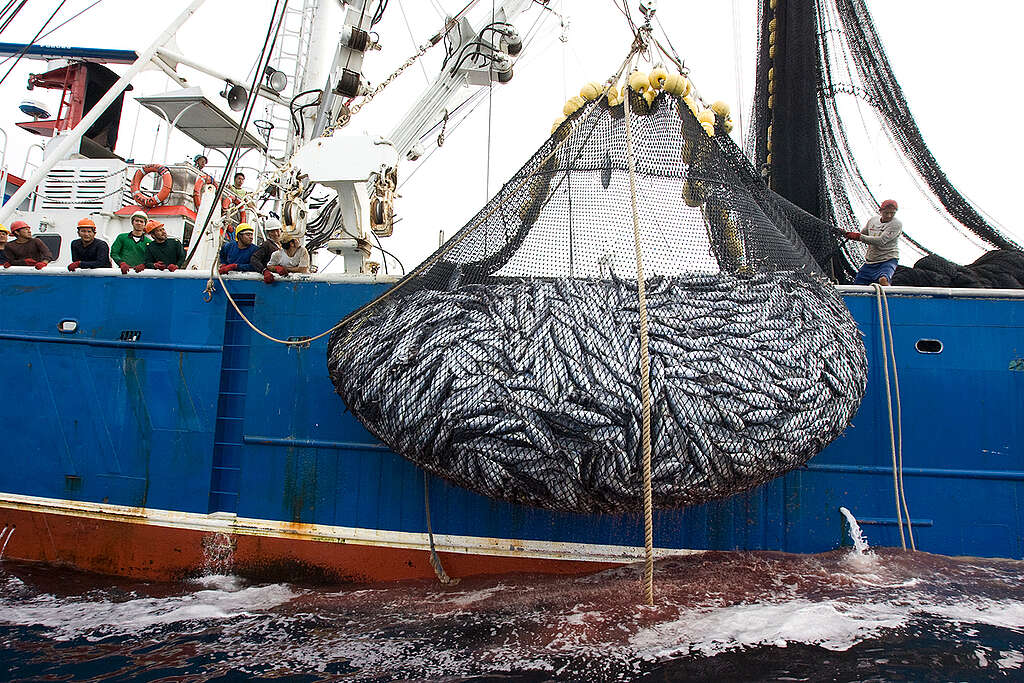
958	68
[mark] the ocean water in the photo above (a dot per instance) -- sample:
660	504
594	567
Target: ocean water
845	615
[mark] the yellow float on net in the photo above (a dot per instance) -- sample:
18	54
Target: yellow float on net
638	81
649	96
673	84
574	103
657	78
709	128
613	94
591	91
728	125
557	123
706	116
721	108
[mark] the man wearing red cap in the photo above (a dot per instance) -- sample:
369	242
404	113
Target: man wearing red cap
882	234
27	250
87	251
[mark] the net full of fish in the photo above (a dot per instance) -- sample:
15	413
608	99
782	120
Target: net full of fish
509	361
527	390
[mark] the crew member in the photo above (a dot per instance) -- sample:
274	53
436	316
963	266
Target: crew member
129	248
292	257
27	250
881	233
163	252
237	189
261	257
201	160
237	254
87	251
4	233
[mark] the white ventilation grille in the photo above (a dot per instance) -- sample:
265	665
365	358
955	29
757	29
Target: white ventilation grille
81	189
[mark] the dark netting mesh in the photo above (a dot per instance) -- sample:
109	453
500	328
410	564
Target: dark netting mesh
508	363
811	54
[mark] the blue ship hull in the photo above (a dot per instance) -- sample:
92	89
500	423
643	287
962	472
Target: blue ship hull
163	435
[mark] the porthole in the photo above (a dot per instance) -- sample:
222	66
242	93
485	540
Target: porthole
928	346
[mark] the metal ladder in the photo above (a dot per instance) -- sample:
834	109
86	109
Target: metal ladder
290	55
229	441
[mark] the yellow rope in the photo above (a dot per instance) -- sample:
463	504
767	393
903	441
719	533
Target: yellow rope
645	369
895	431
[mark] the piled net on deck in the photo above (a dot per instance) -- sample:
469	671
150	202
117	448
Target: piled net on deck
509	362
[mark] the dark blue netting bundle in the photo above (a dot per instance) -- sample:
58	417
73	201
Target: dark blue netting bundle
508	363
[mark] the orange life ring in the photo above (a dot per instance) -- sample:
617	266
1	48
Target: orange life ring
197	191
229	199
166	183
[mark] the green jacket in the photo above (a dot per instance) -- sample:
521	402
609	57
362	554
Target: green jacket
126	250
169	251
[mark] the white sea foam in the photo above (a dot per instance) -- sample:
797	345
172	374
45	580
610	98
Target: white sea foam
833	625
1010	659
464	599
101	618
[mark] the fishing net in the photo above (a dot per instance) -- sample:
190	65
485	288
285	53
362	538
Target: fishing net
509	361
812	55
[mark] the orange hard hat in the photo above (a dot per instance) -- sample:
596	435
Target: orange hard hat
153	225
87	223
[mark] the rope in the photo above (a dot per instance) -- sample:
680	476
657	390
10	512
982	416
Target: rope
435	559
645	367
895	429
231	299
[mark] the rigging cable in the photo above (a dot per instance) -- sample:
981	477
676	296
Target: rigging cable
268	45
29	45
71	18
7	21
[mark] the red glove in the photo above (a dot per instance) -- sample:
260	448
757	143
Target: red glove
139	268
124	267
227	268
40	265
159	265
855	236
268	277
30	262
280	270
172	267
7	264
72	267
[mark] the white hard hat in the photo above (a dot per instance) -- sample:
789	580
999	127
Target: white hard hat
271	224
140	214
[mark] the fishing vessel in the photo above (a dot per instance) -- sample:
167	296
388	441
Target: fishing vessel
163	441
